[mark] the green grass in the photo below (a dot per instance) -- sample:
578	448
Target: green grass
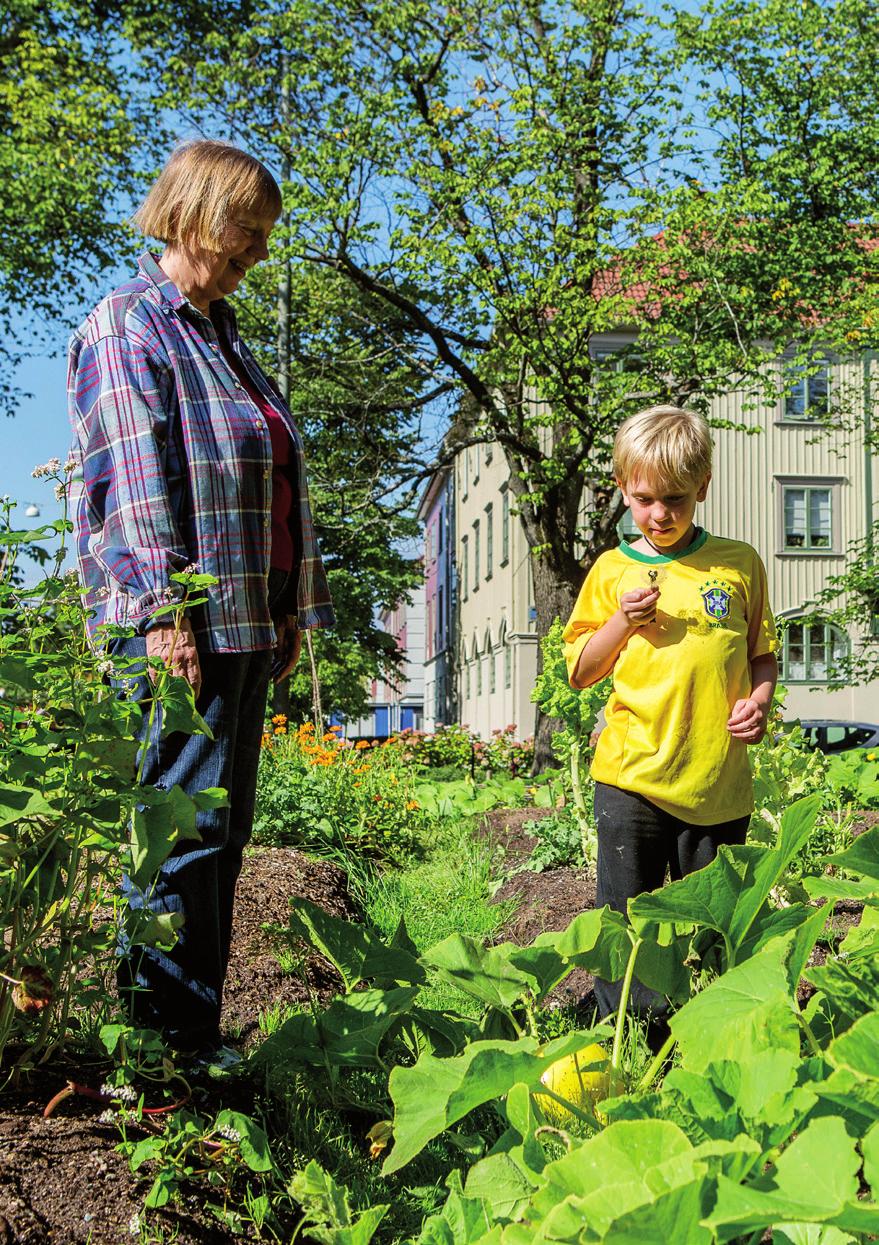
446	893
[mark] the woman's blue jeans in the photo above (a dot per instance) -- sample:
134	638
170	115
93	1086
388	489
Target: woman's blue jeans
181	991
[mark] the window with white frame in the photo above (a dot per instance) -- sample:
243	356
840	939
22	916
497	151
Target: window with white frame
808	516
489	540
475	554
465	573
807	391
492	672
505	527
478	676
810	652
508	664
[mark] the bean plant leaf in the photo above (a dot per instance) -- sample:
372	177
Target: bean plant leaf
746	1010
434	1094
20	803
253	1144
870	1151
178	708
162	819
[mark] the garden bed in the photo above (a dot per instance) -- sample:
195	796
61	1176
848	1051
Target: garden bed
61	1179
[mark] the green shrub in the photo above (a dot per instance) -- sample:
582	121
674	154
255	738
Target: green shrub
325	796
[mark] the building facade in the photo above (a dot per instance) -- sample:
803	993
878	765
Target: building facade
495	619
437	513
398	704
798	493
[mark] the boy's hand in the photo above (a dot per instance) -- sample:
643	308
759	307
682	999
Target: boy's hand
639	606
748	720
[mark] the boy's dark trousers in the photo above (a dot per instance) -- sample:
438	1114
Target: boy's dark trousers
637	844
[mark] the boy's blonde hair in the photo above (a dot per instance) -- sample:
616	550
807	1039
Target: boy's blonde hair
203	185
669	446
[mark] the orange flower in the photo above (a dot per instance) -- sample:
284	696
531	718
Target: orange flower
280	730
265	741
329	737
280	719
411	805
338	729
361	743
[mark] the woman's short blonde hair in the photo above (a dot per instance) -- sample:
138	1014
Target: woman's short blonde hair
201	188
666	445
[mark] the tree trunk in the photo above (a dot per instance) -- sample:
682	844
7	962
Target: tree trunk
554	597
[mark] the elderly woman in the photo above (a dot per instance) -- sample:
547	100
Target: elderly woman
189	455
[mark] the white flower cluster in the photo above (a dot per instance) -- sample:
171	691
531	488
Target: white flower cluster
106	667
134	1225
120	1093
107	1117
51	468
228	1133
192	569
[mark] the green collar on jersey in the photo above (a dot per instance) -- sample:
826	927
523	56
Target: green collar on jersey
657	559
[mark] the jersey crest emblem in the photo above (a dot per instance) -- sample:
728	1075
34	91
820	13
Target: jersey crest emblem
716	602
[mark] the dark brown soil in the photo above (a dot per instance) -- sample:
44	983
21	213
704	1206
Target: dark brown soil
61	1180
545	901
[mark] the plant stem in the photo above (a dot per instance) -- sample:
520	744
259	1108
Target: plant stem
624	1003
656	1063
810	1036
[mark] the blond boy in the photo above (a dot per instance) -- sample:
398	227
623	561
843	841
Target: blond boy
681	620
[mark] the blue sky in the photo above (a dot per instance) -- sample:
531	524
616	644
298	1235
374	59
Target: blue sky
38	431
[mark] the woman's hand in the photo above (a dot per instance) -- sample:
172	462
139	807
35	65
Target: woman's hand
288	646
176	650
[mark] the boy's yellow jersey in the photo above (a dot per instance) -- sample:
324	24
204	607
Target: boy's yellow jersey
677	679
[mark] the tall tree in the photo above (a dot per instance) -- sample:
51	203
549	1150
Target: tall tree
70	134
359	401
514	177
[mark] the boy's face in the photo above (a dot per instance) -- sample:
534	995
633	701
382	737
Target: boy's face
664	514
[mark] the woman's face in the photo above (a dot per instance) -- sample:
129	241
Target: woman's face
206	275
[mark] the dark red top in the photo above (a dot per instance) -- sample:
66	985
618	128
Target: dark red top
283	556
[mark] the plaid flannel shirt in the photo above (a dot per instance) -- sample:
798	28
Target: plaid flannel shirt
174	467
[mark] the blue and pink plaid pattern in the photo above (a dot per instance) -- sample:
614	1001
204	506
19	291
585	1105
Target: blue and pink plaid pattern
174	467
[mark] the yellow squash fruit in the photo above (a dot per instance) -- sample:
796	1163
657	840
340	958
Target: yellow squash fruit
570	1079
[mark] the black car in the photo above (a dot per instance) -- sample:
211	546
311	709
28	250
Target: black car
829	735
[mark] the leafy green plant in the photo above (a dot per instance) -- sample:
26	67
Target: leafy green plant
454	747
559	841
73	814
854	776
324	796
578	712
768	1120
187	1147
